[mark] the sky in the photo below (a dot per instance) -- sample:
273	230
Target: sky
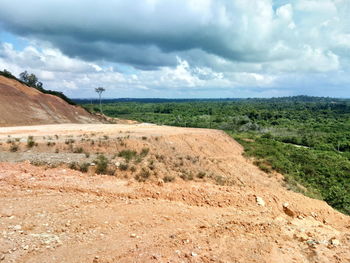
180	48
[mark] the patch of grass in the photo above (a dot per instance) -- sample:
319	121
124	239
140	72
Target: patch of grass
168	179
78	150
101	164
201	175
144	152
124	167
30	141
160	158
186	176
73	166
263	166
127	154
14	147
220	180
143	175
84	167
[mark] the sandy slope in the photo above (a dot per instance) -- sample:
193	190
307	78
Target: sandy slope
60	215
22	105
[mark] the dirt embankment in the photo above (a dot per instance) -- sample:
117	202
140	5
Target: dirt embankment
22	105
219	207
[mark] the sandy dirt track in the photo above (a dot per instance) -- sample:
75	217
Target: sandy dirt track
63	215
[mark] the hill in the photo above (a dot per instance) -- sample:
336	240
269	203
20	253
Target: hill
23	105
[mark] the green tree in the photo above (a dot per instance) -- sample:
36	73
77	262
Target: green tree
99	91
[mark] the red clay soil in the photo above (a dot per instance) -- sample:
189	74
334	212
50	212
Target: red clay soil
61	215
22	105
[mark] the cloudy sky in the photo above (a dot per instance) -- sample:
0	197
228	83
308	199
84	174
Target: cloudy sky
180	48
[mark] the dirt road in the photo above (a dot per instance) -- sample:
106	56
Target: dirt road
228	211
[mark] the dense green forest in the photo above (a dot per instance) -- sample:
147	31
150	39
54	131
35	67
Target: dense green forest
305	138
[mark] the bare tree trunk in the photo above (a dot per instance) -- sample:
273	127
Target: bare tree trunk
100	104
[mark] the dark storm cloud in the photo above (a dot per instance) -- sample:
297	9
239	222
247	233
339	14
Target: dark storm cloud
123	31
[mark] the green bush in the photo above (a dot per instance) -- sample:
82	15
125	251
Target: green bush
30	141
124	167
84	167
168	179
143	175
127	154
101	164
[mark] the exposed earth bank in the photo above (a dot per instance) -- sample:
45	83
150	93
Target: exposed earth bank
23	105
216	207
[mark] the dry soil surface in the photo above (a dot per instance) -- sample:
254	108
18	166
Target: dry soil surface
229	212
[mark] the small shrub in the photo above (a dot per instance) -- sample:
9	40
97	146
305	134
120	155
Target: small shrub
38	163
263	167
124	167
73	166
201	175
127	154
186	176
87	154
101	164
69	141
84	167
14	148
78	150
50	143
144	152
138	159
168	179
133	168
143	175
220	180
144	138
30	142
160	157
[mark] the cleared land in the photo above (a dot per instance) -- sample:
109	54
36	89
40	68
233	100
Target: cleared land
218	207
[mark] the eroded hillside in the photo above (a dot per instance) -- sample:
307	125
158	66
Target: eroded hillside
23	105
169	195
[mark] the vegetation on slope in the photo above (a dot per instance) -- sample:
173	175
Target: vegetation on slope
305	138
